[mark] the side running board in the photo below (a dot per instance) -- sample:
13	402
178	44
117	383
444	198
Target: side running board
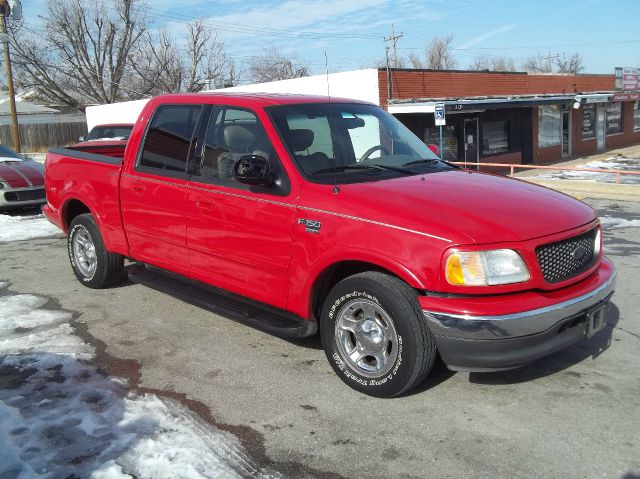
238	308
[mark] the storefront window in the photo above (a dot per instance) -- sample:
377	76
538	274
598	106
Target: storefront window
549	126
449	139
636	116
589	122
614	118
495	137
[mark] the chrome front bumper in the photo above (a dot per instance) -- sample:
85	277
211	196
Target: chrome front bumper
486	343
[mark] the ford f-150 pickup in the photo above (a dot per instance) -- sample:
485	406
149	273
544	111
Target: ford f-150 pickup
299	214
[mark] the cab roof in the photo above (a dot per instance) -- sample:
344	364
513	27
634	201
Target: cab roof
255	99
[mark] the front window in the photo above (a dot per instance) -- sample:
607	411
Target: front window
549	126
351	143
495	137
614	118
589	122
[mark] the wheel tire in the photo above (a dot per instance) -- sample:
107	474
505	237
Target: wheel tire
92	264
365	296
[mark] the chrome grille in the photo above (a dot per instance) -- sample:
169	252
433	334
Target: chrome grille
565	259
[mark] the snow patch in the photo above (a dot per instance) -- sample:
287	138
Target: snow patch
19	228
612	163
610	223
4	159
61	417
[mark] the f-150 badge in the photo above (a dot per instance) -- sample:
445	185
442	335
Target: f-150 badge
311	226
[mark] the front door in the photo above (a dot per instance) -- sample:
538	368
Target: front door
239	236
600	125
471	141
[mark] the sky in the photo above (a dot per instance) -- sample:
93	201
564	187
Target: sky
352	32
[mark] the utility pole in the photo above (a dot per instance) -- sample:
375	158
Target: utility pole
394	39
15	133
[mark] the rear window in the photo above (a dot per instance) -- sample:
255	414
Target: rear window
168	140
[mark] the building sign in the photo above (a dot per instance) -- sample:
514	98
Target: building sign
627	79
439	114
625	97
596	99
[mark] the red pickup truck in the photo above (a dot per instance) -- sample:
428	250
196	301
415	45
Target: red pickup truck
297	214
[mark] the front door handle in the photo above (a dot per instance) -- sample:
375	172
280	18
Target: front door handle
137	187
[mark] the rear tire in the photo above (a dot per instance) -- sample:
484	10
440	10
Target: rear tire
93	265
375	336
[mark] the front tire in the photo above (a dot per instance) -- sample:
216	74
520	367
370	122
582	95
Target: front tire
93	265
374	335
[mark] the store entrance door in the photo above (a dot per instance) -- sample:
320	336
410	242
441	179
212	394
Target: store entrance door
471	141
600	126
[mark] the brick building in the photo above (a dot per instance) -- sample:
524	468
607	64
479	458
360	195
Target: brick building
504	117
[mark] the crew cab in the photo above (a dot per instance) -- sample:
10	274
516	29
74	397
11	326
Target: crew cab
299	214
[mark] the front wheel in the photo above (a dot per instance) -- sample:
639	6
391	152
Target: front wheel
93	265
374	335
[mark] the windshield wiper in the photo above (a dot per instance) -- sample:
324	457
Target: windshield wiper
375	166
424	161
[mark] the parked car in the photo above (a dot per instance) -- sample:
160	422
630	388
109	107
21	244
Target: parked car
106	139
21	180
296	214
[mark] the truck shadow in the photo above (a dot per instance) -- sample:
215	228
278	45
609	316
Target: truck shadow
591	348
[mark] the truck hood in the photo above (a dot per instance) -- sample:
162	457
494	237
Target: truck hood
466	207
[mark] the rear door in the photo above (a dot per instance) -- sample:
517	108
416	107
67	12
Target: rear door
153	191
239	236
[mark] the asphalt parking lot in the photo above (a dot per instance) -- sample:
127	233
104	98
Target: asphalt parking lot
575	414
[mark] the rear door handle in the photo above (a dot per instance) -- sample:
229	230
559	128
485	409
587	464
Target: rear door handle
205	204
137	187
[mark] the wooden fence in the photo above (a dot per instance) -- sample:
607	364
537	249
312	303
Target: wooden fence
42	136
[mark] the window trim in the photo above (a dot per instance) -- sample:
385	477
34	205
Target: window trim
281	185
636	108
182	175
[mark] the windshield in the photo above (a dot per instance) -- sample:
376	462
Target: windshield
9	155
107	132
351	142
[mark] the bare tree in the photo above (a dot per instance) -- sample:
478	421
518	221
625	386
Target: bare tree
440	54
415	61
163	65
272	66
481	63
573	64
536	64
84	53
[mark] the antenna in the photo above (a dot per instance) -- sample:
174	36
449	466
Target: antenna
326	67
336	188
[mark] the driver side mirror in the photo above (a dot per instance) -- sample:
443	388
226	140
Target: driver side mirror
253	170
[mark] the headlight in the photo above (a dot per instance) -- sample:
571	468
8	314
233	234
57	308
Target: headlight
485	268
2	185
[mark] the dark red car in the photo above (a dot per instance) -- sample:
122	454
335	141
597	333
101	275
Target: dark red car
108	139
21	180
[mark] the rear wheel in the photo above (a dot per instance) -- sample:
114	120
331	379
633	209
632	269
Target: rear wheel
374	335
92	264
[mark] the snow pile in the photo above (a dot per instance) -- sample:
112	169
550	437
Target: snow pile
609	222
612	163
61	417
18	228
